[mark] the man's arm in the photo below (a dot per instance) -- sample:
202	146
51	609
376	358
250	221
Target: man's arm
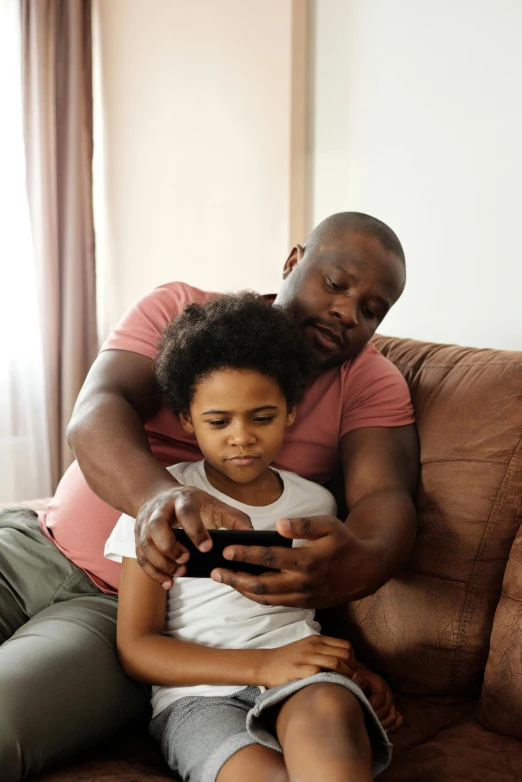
107	434
344	561
108	438
380	468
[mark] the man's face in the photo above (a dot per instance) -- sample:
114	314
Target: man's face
338	293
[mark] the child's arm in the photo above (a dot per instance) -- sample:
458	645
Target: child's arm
149	656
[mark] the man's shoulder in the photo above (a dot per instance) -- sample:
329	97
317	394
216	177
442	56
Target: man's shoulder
369	370
182	292
368	357
142	325
370	366
187	473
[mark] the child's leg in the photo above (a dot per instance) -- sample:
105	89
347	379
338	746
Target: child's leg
323	734
255	763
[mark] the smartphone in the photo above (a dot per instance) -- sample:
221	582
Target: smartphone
201	563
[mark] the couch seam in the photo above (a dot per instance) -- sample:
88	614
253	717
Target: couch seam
469	461
466	612
457	365
510	597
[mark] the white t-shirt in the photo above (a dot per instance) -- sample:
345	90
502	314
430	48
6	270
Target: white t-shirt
206	612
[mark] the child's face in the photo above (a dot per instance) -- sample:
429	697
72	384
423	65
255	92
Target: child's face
239	418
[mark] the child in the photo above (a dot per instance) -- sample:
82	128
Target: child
242	691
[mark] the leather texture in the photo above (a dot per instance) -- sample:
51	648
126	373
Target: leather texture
447	632
428	630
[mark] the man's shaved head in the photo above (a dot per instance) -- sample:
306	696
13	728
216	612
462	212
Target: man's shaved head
340	285
336	226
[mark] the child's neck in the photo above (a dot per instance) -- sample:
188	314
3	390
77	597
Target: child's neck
264	490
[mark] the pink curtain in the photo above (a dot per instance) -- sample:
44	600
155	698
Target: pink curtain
57	87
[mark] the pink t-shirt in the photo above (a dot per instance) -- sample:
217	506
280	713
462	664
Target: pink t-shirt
366	391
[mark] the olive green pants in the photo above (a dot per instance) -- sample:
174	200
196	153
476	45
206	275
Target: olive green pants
61	685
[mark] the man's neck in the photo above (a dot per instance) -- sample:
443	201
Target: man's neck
264	490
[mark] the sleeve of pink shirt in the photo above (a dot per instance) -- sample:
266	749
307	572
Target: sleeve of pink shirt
376	394
141	327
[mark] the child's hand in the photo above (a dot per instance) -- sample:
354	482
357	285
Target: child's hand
305	658
380	696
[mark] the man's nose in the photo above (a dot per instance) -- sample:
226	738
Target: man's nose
345	310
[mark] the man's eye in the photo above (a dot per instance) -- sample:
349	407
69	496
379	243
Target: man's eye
263	419
333	285
368	313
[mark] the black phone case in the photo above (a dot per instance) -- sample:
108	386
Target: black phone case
201	564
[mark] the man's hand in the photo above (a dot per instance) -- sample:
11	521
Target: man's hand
157	550
334	566
380	696
305	658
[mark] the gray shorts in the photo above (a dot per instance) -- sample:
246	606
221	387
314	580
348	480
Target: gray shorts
198	735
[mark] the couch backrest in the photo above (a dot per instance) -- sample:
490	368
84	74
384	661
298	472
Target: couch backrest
428	630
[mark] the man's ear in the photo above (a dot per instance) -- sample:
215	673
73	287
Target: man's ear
290	416
296	254
186	422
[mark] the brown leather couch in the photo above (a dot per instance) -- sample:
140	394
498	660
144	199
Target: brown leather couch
447	633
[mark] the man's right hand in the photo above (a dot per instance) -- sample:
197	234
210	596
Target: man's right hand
157	550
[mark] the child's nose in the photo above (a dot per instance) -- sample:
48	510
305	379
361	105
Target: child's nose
242	435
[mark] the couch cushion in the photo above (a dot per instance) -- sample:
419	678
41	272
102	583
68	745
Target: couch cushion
437	743
428	630
131	756
501	703
462	752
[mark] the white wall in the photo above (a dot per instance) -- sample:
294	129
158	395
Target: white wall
417	119
193	167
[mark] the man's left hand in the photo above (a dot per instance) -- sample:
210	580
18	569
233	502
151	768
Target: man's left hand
333	567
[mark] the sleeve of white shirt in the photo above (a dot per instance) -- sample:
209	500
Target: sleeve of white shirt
121	540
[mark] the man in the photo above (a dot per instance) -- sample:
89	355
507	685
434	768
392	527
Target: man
61	687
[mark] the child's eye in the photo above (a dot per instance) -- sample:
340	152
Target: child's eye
219	423
263	419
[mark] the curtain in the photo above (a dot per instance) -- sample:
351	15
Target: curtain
57	91
24	458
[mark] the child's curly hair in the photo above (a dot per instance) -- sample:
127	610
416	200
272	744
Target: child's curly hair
236	331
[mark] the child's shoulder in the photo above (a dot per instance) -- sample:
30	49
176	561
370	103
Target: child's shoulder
187	473
308	497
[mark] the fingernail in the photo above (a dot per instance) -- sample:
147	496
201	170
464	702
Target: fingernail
284	525
216	577
229	553
205	546
166	584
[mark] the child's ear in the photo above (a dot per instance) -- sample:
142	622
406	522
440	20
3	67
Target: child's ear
186	422
290	416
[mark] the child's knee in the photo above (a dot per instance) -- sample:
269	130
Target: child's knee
325	703
255	763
